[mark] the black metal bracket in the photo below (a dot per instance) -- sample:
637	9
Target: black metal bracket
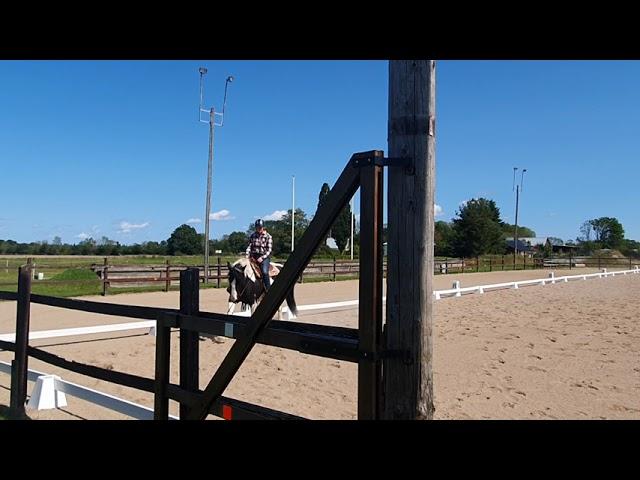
375	158
377	356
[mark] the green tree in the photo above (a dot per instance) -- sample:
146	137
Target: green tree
184	241
280	230
608	232
322	198
443	236
509	230
237	242
341	229
477	230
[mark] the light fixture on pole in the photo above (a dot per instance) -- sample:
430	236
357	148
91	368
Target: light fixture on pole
518	189
293	210
352	222
212	123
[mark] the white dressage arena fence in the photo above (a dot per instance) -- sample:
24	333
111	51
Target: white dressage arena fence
50	391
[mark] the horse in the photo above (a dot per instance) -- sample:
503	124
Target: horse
246	288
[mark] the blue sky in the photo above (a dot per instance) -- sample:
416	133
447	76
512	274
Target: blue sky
115	148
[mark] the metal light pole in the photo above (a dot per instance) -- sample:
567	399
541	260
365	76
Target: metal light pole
518	190
212	123
293	210
352	222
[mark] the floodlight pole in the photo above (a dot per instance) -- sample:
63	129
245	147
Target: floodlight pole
212	124
293	210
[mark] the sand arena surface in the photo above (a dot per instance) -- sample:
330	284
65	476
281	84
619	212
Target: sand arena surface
567	351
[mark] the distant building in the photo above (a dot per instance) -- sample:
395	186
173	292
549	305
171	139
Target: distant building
536	244
523	247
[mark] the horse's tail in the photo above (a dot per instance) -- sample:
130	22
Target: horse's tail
291	303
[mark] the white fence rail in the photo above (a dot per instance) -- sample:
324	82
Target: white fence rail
49	389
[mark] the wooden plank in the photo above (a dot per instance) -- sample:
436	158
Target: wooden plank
226	407
337	198
163	367
325	341
370	288
20	365
132	311
120	378
8	295
189	340
408	383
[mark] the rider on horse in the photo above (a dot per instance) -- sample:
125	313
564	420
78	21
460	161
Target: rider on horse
259	250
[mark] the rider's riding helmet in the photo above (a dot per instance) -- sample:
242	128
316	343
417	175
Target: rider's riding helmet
259	223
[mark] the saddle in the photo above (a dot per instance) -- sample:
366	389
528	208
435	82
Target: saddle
273	270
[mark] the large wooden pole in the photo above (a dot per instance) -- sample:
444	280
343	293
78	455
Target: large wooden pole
408	381
20	364
189	340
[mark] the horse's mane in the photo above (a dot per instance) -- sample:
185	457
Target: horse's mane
244	264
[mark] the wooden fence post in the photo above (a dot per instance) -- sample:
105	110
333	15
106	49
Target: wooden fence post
105	276
370	292
477	264
408	381
219	273
20	364
334	269
167	279
163	367
491	264
189	340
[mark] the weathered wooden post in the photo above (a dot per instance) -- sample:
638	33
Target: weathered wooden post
370	288
477	264
189	340
334	269
163	366
20	364
167	275
105	276
408	380
219	273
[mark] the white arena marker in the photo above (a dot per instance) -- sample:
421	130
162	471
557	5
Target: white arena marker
515	285
456	286
45	396
552	276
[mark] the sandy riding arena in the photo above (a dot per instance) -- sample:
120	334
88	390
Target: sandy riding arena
563	351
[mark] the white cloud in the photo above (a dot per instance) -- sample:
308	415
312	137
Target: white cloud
221	215
437	209
126	227
82	236
276	215
194	220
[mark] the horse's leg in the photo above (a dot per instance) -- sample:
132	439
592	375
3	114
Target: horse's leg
232	307
291	303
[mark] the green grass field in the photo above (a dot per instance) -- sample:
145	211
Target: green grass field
83	281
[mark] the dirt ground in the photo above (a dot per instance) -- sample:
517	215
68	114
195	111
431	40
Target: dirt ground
566	351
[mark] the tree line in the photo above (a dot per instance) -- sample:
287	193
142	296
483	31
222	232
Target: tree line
476	230
185	240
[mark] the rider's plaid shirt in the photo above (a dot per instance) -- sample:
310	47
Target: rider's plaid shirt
260	244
